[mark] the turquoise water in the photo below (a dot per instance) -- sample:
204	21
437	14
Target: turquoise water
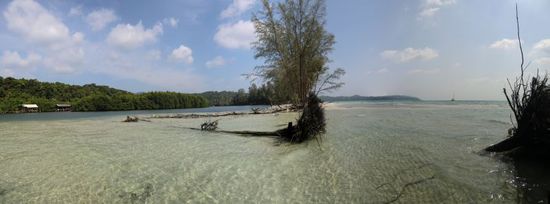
408	152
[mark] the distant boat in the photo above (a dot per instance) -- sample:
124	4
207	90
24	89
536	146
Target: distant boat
453	98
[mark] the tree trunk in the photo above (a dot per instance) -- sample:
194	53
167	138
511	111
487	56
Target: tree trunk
506	145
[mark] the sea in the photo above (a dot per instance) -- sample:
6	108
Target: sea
372	152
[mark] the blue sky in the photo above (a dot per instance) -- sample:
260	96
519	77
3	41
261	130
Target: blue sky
426	48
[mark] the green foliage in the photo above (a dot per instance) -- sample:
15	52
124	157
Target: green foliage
263	95
241	98
219	98
90	97
311	124
294	44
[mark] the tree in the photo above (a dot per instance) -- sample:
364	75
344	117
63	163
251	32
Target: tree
294	44
329	82
241	98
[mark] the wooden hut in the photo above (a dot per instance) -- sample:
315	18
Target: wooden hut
62	107
29	108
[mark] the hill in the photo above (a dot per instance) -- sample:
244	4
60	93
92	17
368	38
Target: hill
89	97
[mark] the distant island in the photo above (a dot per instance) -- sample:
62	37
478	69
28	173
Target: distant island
370	98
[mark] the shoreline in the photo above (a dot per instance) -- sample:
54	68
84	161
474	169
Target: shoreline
114	111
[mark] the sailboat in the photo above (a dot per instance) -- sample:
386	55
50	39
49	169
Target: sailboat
453	98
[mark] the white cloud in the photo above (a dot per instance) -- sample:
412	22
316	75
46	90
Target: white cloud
98	19
134	66
182	53
541	52
154	55
173	22
7	73
35	23
61	51
543	45
543	61
428	12
65	61
409	54
78	37
238	35
237	7
216	62
383	70
425	71
435	3
431	7
504	44
13	60
75	11
129	36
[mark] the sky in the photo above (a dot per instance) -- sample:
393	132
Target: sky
431	49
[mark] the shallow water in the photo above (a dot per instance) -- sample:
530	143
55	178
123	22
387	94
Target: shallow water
415	152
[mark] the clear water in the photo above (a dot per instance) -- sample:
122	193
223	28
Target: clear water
414	152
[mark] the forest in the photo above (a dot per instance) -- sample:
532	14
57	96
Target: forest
92	97
262	95
89	97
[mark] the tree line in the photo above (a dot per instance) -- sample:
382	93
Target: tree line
256	95
92	97
89	97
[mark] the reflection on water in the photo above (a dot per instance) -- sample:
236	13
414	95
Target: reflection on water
531	178
372	153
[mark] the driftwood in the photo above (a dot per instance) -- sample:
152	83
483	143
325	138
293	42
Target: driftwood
276	109
505	145
311	125
277	133
134	119
269	110
243	133
199	115
210	126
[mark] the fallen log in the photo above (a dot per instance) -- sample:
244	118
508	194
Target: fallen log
244	132
285	133
505	145
199	115
310	125
134	119
269	110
